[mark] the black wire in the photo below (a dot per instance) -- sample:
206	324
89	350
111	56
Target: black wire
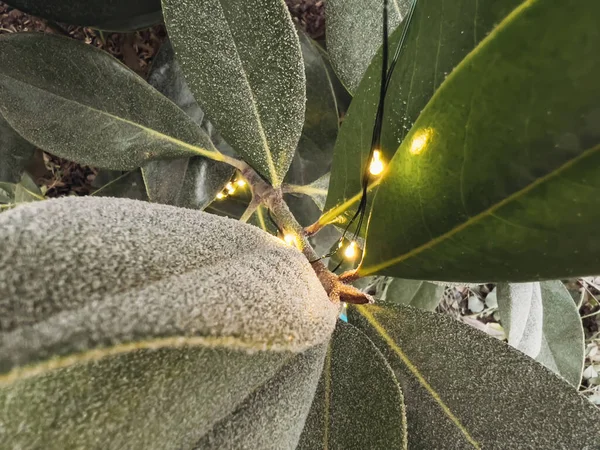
386	76
407	21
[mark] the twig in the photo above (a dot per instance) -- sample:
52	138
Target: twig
590	315
273	199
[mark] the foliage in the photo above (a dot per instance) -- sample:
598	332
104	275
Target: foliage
149	323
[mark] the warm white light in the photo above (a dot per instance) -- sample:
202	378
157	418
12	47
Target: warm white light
376	166
221	196
290	239
241	183
230	188
420	141
351	251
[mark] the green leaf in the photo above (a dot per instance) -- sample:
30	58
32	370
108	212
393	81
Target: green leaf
27	190
157	314
522	315
502	161
542	320
126	185
117	15
315	149
354	30
260	219
317	190
80	103
440	35
244	66
358	404
188	182
273	416
15	153
313	156
464	389
420	294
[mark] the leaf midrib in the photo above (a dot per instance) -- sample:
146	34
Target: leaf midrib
212	154
261	131
394	347
482	215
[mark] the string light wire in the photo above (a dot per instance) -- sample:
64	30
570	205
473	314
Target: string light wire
386	76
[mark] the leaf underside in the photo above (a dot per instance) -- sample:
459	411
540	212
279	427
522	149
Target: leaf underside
80	103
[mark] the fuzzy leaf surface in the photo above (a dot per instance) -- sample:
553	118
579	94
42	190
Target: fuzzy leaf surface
143	308
542	320
15	153
508	147
80	103
420	294
358	403
122	185
248	79
354	34
116	15
451	375
188	182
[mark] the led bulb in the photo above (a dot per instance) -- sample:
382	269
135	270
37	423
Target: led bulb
241	183
230	188
351	251
221	196
290	239
376	166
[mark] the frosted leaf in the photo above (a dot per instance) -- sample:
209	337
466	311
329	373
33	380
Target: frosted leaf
542	320
191	182
354	29
77	102
242	61
131	308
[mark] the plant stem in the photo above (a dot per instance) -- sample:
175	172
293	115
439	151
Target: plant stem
272	198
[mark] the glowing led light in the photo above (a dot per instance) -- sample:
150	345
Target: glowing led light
376	166
420	141
230	188
221	196
351	251
241	183
290	239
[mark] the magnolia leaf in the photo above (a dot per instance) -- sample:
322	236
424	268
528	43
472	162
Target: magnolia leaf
451	375
317	190
515	157
420	294
15	153
27	190
278	409
522	315
115	15
7	192
80	103
126	185
315	149
142	308
249	79
313	157
358	404
542	320
354	34
440	35
260	219
190	182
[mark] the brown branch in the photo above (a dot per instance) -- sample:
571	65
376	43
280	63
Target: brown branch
273	199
